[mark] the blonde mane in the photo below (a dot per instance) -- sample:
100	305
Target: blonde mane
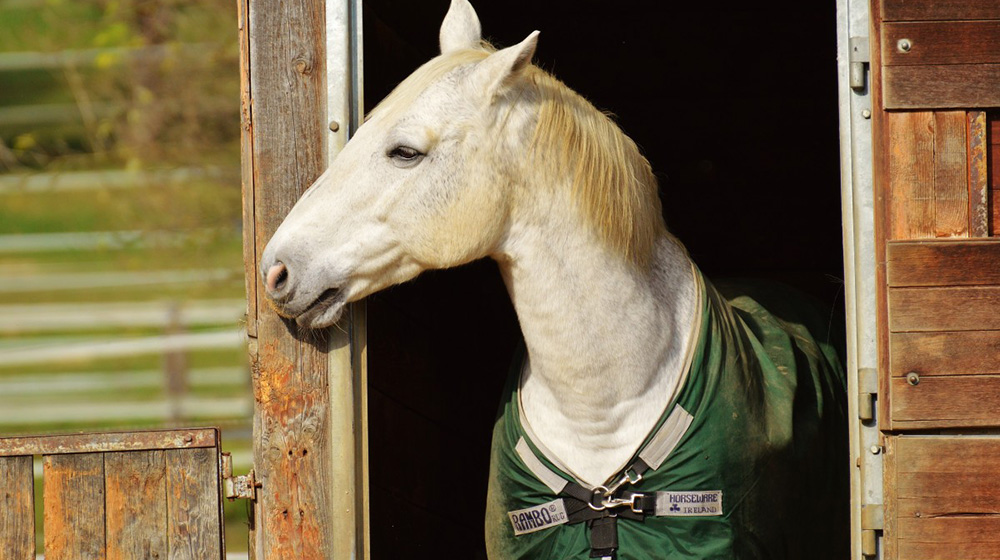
611	180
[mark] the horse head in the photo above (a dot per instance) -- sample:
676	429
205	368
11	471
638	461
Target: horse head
424	183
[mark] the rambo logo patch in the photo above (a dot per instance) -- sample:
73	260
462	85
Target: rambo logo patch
538	517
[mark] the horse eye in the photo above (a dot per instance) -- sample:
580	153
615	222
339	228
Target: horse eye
404	153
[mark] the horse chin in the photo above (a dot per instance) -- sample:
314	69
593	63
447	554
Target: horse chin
324	312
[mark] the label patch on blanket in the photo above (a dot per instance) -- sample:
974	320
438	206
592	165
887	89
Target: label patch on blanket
689	504
538	517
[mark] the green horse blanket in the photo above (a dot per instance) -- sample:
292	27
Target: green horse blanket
750	460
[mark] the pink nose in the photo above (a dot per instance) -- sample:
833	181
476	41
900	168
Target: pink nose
277	275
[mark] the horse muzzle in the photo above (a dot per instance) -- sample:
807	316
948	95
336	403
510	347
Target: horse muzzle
290	300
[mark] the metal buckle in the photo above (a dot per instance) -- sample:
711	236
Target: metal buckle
603	494
619	502
628	477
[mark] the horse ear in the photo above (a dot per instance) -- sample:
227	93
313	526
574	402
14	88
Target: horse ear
503	67
460	28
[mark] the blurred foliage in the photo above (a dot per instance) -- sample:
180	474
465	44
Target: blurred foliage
153	83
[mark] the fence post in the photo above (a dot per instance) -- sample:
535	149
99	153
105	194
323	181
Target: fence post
175	366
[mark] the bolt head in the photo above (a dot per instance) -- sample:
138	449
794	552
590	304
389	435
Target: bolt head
904	45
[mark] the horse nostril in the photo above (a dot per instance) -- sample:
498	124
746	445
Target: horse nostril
277	275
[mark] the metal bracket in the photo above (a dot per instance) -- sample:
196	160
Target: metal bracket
243	486
867	389
858	58
872	522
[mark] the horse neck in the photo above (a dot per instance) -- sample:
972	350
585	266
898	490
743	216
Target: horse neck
606	341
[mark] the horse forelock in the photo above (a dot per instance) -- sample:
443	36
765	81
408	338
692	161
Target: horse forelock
610	178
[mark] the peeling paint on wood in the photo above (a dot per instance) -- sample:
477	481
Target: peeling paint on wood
979	180
109	441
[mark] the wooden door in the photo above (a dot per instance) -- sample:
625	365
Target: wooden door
123	495
936	79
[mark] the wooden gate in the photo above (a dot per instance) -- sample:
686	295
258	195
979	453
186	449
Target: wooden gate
935	79
125	495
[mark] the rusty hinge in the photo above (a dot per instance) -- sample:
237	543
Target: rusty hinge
243	486
872	523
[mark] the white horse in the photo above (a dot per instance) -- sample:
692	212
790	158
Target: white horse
479	153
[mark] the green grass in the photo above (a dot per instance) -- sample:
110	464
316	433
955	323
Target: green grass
165	207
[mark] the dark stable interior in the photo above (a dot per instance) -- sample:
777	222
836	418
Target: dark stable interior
735	105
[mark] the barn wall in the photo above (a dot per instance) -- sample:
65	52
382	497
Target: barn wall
935	76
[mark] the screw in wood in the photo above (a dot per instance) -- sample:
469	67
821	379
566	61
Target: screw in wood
904	45
912	378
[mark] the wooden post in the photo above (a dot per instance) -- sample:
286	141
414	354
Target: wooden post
175	367
308	386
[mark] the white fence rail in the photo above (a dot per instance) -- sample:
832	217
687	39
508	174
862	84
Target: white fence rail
48	317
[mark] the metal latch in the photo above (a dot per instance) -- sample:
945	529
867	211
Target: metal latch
867	389
872	522
858	58
243	486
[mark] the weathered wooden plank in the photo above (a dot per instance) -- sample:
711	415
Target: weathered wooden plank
941	42
911	175
919	10
946	401
993	156
946	86
927	175
285	49
947	454
944	353
194	515
890	504
966	492
109	441
944	309
943	263
979	183
943	498
931	506
993	168
950	537
882	180
247	167
917	550
951	191
73	495
136	498
17	508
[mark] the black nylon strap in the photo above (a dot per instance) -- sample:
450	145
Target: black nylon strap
603	537
603	524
